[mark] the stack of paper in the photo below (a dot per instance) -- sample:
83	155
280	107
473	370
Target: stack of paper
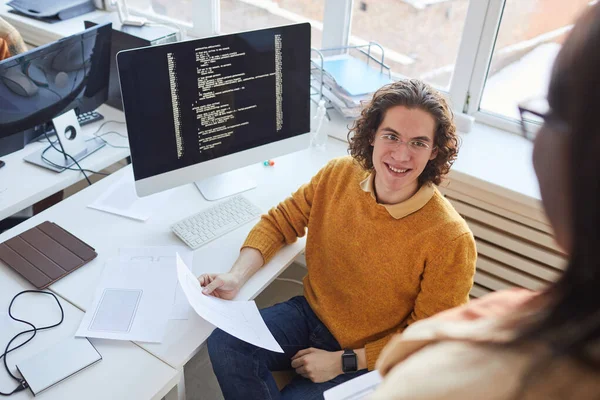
122	199
146	286
131	302
166	257
348	81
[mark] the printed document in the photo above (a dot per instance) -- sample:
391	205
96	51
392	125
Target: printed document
355	389
131	302
238	318
121	199
165	256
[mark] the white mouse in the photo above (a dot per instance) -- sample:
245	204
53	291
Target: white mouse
19	83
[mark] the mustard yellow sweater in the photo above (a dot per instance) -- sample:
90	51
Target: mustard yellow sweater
372	270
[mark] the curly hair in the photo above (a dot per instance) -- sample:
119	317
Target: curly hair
410	93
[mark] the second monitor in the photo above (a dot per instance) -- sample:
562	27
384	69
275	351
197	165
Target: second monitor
204	107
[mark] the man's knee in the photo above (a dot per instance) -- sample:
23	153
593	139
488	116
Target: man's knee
220	344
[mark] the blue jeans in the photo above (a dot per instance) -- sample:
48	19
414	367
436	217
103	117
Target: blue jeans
244	370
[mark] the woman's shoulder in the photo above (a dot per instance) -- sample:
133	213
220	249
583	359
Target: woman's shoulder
465	367
467	349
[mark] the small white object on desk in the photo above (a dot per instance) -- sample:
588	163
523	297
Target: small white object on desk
238	318
57	363
355	389
132	302
166	256
121	199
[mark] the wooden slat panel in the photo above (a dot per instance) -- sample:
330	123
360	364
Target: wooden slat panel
516	203
508	274
491	282
518	246
506	225
478	291
455	195
511	259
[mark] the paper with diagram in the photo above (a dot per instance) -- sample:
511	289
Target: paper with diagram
238	318
165	256
131	302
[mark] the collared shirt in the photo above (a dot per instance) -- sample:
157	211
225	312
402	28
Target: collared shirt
407	207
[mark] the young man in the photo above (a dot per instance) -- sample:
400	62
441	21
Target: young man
384	249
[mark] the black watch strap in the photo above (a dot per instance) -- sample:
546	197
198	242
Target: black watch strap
349	361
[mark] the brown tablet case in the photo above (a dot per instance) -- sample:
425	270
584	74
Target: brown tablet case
45	253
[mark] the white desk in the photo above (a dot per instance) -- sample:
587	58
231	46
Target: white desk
107	233
37	32
23	184
125	372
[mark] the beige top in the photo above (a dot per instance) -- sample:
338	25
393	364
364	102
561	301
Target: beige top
407	207
439	358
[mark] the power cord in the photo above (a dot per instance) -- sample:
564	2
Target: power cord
69	168
106	142
95	135
67	155
22	383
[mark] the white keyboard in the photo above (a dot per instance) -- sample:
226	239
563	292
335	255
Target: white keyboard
215	221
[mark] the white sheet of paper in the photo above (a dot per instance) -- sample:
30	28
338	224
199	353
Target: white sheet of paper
121	199
131	302
166	255
355	389
238	318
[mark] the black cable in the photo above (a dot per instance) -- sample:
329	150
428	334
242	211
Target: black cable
22	383
107	122
95	135
109	144
98	130
69	168
68	155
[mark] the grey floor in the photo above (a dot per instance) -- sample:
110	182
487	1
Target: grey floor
200	382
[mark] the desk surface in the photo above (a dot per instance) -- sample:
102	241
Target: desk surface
121	361
23	184
107	233
38	32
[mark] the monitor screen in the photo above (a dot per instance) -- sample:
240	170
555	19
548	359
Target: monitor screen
191	102
71	73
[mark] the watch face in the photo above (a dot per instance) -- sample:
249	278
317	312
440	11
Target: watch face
349	363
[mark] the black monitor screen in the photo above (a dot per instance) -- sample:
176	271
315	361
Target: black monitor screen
71	73
193	101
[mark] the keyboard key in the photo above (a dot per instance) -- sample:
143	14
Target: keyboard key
216	221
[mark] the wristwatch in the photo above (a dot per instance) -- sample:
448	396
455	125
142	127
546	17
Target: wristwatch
349	361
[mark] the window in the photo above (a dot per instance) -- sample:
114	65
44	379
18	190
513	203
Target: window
243	15
179	10
528	40
420	38
489	55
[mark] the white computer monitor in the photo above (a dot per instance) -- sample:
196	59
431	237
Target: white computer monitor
198	111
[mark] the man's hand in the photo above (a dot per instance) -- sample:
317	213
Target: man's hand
318	365
224	286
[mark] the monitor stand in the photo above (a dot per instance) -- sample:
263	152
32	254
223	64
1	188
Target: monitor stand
226	184
69	140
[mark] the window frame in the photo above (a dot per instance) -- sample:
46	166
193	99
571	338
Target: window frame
476	49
